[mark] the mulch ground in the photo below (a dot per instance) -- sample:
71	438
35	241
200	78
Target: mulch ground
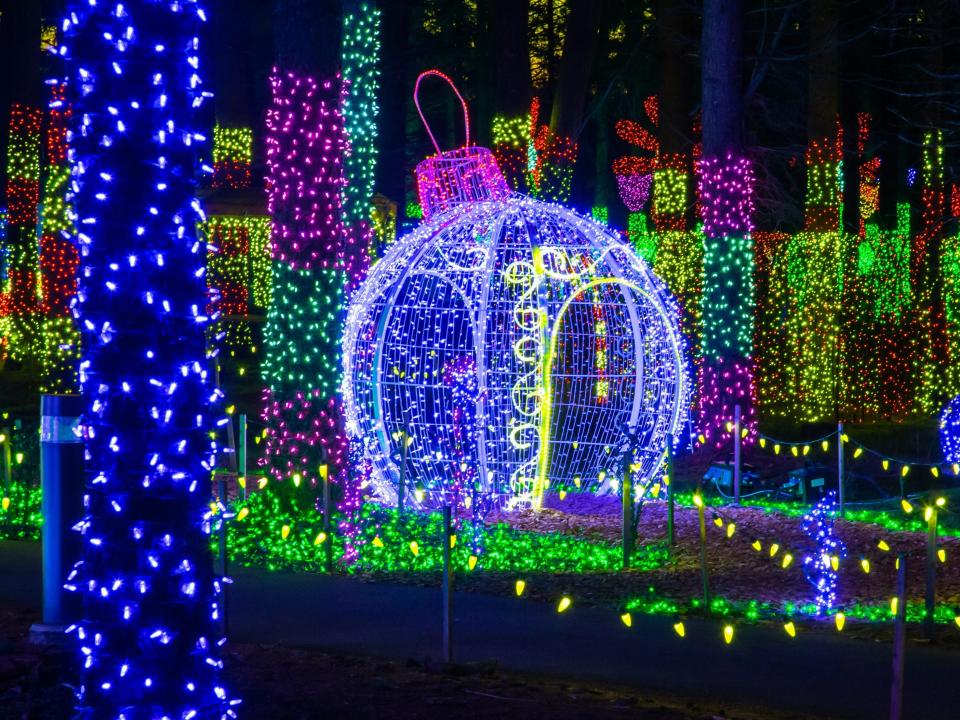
736	570
279	682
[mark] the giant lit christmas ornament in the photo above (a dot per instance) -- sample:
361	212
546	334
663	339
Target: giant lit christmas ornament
505	347
950	431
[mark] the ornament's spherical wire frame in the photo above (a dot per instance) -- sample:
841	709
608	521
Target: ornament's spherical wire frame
571	336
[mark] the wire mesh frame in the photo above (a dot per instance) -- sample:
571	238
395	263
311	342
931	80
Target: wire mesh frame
455	177
523	288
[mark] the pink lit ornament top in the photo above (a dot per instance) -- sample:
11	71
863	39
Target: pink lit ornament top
452	178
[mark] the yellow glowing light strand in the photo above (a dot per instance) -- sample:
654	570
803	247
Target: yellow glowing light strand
547	410
527	401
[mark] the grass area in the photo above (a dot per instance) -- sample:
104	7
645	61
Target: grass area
387	541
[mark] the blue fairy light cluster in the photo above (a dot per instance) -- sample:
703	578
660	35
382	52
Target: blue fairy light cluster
149	638
950	431
821	563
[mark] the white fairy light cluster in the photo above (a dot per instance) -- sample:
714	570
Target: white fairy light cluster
573	339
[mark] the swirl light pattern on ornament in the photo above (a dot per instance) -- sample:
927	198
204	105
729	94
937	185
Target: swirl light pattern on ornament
533	294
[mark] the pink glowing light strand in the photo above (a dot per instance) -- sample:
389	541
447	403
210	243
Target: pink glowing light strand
305	144
634	190
304	421
725	383
726	195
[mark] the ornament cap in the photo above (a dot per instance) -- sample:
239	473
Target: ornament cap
468	174
453	177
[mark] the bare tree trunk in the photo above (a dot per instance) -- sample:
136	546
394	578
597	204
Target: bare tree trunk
573	80
20	55
511	57
721	56
394	99
674	118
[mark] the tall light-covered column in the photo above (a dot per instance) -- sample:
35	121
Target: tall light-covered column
149	639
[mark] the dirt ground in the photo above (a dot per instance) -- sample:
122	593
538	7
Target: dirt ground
287	683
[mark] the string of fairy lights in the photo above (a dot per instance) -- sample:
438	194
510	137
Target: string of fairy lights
150	635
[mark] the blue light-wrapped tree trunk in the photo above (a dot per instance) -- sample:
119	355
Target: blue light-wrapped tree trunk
149	638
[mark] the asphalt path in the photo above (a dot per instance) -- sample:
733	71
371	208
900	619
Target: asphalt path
821	674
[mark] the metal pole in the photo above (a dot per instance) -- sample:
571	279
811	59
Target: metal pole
931	574
62	486
7	467
671	536
401	487
899	640
327	510
626	493
736	454
841	483
222	492
703	552
447	589
242	458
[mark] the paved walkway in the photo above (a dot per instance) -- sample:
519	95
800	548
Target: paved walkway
826	675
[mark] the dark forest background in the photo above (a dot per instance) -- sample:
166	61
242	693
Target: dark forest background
593	62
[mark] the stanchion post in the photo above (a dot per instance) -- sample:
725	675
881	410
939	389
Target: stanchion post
671	534
929	595
841	480
447	589
327	513
626	503
224	564
7	467
242	458
704	578
736	454
899	641
402	485
62	486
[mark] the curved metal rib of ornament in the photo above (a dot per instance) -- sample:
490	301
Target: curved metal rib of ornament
525	395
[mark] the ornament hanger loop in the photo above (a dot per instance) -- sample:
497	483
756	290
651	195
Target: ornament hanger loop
463	103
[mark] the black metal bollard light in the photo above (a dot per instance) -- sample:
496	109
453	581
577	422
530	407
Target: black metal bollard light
61	483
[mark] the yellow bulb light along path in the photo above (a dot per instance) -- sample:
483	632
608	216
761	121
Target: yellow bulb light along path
790	628
285	532
728	634
840	620
472	562
564	604
415	548
679	628
627	619
520	586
